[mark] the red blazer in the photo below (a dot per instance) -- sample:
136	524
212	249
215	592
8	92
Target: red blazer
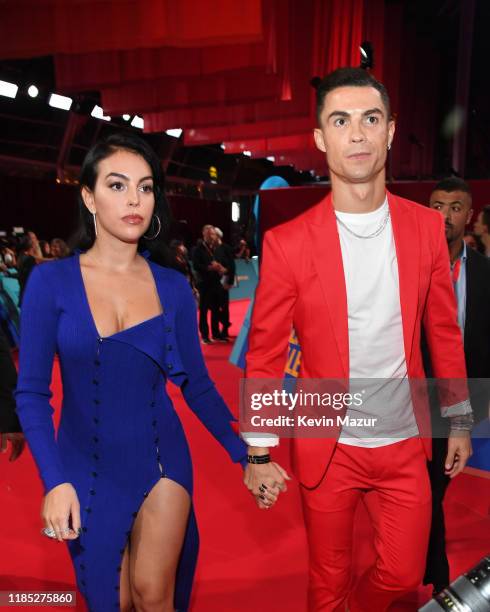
302	285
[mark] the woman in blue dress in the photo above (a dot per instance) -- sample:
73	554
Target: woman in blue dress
118	477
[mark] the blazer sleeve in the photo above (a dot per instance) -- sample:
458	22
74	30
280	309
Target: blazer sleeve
272	317
39	321
444	335
198	389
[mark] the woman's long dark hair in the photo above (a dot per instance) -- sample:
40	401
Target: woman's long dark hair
84	236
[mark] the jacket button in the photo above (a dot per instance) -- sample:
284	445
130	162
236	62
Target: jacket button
95	381
96	420
95	439
169	347
84	529
153	404
156	440
168	329
92	492
94	474
96	402
88	510
95	456
97	362
154	422
169	366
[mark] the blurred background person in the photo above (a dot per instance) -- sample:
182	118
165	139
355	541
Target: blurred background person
45	249
474	242
209	272
481	228
10	429
182	263
224	255
59	248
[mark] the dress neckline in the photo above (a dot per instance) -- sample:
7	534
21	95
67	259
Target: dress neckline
89	310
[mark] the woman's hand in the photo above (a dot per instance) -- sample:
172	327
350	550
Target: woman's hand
265	481
59	505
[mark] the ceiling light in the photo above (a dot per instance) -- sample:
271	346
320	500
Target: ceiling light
57	101
33	91
138	122
176	132
9	90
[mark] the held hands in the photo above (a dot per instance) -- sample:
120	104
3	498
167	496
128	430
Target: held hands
59	505
265	482
458	452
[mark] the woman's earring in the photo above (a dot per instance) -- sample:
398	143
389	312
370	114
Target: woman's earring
158	230
95	224
389	146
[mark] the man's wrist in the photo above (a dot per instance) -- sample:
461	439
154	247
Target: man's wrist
257	451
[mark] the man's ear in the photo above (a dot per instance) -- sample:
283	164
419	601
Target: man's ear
391	132
88	199
469	216
319	141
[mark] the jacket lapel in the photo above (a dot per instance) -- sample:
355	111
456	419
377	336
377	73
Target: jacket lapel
327	257
407	244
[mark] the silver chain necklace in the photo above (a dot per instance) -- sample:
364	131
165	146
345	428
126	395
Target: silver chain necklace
376	232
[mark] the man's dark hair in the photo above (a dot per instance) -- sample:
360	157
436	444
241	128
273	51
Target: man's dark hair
453	183
349	77
485	217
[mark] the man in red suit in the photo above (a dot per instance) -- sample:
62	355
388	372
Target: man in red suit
357	276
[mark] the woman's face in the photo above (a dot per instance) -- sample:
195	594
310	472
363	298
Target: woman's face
123	197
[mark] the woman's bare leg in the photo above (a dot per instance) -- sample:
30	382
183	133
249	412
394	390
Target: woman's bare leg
155	545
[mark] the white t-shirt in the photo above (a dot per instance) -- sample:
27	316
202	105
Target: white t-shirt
376	348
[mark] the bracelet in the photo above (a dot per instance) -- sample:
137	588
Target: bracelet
257	459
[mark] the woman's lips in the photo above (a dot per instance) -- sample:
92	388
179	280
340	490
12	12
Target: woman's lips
133	219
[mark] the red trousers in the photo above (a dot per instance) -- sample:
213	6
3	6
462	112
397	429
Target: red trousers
400	511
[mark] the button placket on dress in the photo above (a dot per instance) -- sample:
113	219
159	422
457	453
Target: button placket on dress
95	444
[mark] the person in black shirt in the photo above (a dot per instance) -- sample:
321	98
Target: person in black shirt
209	273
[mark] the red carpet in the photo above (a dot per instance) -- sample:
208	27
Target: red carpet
251	560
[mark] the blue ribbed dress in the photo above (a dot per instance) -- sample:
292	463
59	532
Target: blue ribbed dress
119	433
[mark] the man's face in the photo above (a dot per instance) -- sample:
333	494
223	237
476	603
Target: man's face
479	227
354	133
210	236
455	207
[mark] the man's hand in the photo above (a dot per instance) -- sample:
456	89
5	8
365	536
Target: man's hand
16	440
265	481
458	452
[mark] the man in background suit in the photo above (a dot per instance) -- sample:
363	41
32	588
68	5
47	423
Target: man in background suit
471	280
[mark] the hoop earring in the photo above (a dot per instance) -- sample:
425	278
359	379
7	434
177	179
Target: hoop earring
158	230
95	224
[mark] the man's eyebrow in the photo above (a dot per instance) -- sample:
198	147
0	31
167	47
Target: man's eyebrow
370	111
126	178
373	111
449	203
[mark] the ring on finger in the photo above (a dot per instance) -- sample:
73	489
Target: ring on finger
49	532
